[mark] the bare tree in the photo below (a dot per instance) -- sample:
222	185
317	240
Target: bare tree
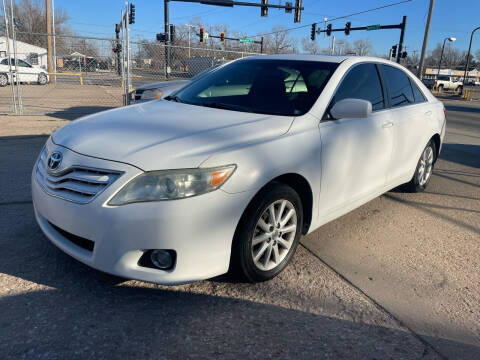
362	47
342	47
279	42
310	47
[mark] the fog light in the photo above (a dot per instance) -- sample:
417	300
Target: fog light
162	259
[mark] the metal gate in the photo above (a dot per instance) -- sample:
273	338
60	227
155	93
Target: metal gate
89	74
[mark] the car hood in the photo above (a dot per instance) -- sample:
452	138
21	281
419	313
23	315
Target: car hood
163	134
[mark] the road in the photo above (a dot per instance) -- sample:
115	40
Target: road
396	278
416	255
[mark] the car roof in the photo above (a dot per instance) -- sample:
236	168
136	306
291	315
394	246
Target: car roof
322	58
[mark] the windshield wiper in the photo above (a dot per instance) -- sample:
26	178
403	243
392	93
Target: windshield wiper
222	106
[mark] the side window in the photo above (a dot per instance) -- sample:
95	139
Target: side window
399	86
23	63
419	98
362	82
4	62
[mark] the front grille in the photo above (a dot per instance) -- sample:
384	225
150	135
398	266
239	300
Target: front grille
77	240
77	184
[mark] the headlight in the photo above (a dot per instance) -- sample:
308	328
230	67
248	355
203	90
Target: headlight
172	184
151	94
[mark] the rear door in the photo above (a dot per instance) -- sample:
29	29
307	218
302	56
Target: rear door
410	113
355	152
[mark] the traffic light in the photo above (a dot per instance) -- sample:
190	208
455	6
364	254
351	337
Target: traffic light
313	32
117	28
404	55
348	25
329	29
298	13
202	34
117	48
222	37
264	9
394	51
131	14
288	7
172	33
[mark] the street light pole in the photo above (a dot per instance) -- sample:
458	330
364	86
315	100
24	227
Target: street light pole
441	54
468	56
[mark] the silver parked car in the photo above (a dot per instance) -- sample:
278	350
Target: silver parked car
161	89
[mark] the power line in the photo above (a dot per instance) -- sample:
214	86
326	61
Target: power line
337	18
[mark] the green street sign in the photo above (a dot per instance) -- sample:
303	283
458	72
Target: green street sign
373	27
245	40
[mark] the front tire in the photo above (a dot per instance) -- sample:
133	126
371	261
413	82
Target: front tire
268	233
424	170
3	80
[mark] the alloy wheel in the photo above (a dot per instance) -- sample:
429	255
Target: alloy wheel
426	166
274	235
3	80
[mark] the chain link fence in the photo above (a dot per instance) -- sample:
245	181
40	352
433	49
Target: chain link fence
90	74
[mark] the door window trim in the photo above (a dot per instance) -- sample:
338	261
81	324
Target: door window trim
380	79
412	82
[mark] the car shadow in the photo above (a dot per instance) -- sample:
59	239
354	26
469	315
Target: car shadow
464	154
462	108
55	307
75	112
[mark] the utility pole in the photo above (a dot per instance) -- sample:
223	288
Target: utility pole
333	45
425	40
49	38
167	36
54	43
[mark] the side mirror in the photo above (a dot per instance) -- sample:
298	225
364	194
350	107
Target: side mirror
351	108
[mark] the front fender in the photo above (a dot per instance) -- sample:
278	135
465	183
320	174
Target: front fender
297	151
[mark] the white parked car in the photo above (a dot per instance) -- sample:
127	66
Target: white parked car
231	170
25	72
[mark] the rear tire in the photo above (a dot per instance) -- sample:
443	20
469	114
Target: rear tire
440	88
3	80
42	79
423	171
268	234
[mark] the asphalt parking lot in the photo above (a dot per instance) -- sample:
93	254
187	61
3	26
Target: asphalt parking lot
397	278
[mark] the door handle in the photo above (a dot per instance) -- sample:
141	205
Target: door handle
428	113
387	124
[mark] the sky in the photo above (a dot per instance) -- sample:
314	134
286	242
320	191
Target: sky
450	19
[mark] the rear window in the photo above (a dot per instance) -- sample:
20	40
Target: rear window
276	87
444	78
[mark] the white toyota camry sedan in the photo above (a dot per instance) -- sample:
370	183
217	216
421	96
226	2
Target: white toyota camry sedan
230	171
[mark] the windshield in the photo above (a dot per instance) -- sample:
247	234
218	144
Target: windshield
204	72
277	87
444	78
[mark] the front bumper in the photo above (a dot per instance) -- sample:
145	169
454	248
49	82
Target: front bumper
199	229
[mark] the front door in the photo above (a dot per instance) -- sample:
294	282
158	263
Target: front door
356	153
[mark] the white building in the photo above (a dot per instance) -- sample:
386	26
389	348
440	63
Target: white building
35	55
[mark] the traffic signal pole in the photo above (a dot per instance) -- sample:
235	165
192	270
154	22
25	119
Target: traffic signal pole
402	26
402	36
